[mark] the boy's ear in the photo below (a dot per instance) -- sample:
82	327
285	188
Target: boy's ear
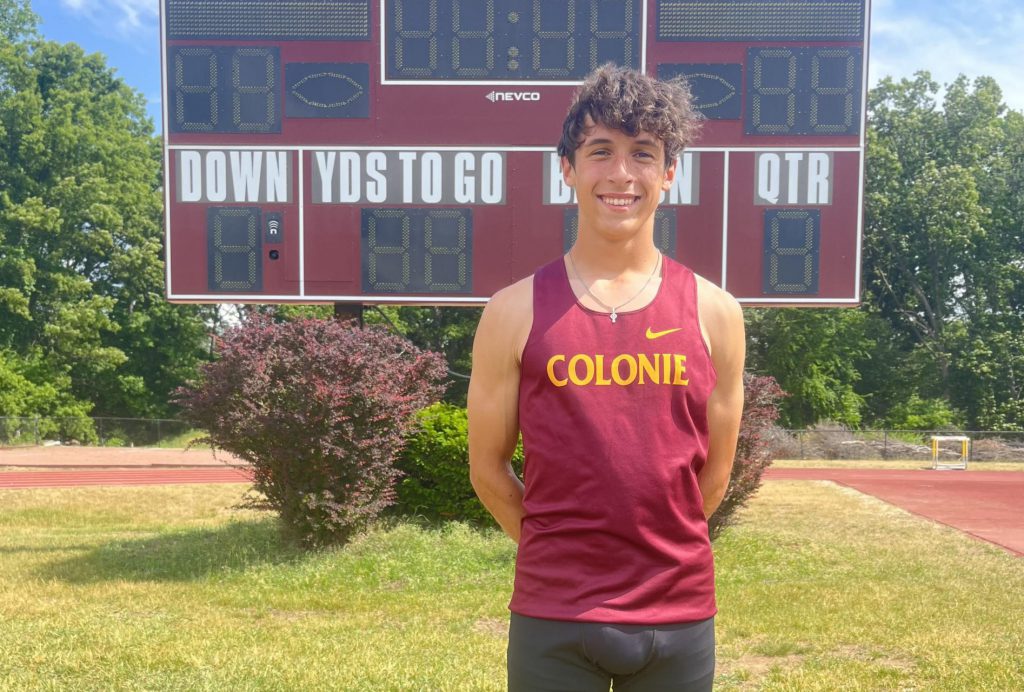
670	175
568	172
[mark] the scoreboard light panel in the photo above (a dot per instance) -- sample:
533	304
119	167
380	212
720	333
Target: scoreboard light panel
403	151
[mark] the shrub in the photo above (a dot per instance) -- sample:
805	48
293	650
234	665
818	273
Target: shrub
753	450
435	464
922	414
320	410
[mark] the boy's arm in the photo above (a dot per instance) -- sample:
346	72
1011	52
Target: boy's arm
723	320
494	403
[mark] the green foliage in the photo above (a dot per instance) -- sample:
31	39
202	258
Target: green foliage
944	244
922	414
81	274
814	356
319	409
36	405
17	20
435	464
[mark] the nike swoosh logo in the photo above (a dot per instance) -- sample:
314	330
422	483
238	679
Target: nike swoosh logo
658	335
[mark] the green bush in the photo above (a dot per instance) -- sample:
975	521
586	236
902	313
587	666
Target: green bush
922	414
435	464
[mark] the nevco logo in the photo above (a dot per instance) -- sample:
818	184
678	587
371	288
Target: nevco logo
513	96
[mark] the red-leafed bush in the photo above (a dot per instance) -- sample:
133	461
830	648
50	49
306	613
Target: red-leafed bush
753	449
320	409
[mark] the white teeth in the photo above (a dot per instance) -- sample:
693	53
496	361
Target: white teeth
617	201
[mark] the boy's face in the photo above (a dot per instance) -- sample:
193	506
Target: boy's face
618	180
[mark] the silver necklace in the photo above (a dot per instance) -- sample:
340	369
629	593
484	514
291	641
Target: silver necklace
614	310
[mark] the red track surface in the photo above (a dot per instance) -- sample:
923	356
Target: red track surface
65	479
985	504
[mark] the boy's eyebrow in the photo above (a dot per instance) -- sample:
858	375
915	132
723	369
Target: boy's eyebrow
604	141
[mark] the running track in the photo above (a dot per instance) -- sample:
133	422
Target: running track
150	476
985	504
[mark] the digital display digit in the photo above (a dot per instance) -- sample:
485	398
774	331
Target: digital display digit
792	249
812	91
229	90
234	249
508	39
417	250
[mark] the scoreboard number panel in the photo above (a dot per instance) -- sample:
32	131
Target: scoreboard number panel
407	250
508	39
228	90
403	151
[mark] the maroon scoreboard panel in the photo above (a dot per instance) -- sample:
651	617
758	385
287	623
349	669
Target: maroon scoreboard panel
402	151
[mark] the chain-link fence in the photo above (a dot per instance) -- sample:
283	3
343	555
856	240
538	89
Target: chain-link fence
896	445
108	432
814	443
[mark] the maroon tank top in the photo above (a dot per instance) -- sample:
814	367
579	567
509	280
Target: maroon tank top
615	430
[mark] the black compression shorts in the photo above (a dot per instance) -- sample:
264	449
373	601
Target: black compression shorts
558	656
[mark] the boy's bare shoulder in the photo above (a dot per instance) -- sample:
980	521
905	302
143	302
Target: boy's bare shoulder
716	302
721	321
508	316
514	297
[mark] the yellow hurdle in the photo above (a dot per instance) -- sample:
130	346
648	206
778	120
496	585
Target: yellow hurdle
965	446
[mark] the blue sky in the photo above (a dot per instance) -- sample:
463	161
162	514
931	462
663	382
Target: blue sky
946	37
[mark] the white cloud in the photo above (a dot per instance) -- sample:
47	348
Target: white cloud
948	38
121	19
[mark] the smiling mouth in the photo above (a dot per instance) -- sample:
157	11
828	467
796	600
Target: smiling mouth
618	201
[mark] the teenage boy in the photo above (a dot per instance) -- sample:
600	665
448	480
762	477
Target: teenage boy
623	371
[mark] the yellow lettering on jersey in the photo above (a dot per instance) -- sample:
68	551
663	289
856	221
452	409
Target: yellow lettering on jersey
558	357
679	371
650	368
588	369
624	369
631	368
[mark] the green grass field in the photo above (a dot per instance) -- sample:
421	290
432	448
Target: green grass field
167	588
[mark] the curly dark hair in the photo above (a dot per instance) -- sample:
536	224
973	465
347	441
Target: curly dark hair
632	102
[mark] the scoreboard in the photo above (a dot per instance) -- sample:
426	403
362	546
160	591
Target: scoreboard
403	151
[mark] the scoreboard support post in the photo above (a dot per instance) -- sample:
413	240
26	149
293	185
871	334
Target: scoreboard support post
403	151
349	311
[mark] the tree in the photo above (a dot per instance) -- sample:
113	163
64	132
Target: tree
17	20
81	273
814	356
944	258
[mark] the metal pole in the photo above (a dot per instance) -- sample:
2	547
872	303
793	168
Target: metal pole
349	311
